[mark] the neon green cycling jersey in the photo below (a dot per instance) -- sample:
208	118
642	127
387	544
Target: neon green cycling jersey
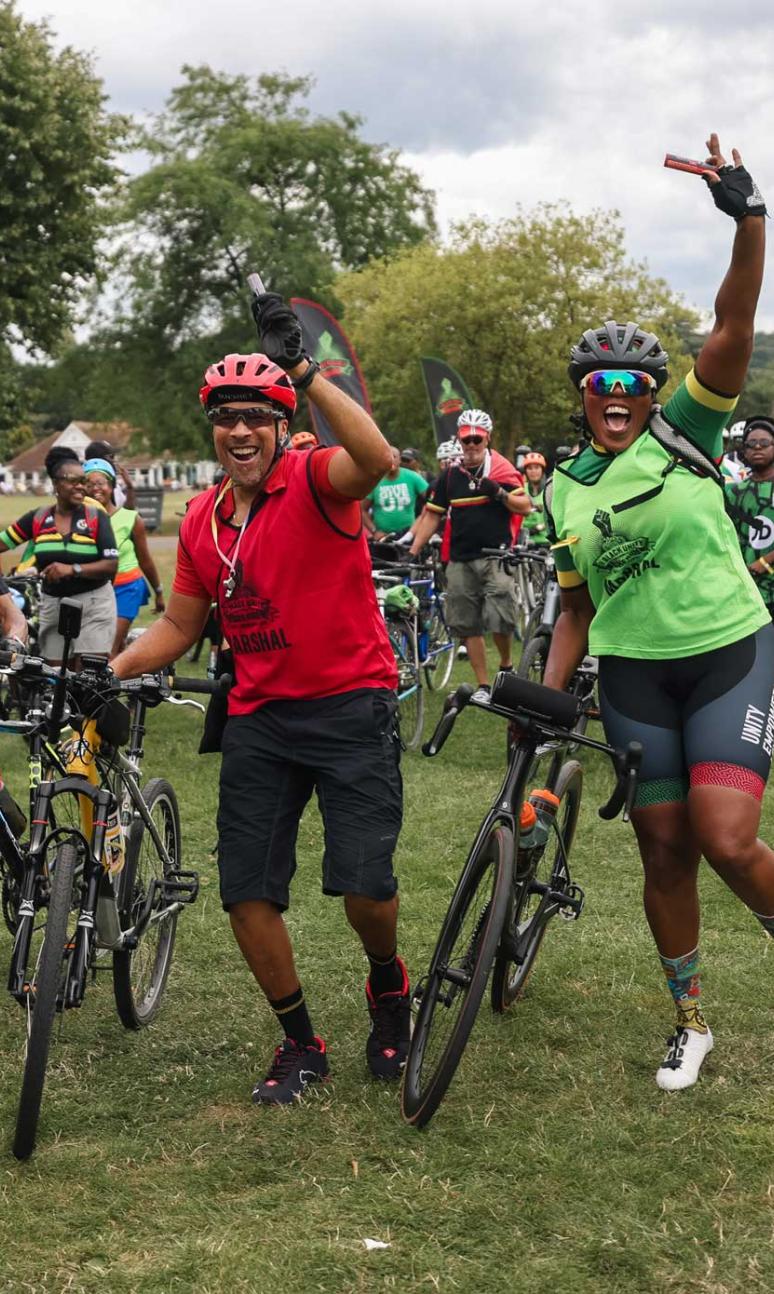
535	521
652	541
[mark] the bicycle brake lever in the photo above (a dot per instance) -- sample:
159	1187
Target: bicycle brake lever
179	700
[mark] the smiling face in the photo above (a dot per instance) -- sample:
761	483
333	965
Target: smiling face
69	487
616	420
533	472
246	454
100	487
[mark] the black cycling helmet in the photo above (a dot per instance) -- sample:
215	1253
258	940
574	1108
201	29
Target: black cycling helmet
618	346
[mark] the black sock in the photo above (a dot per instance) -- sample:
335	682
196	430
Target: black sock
293	1017
386	975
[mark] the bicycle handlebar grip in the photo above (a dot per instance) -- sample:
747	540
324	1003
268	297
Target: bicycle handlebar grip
541	702
6	658
204	686
626	787
452	706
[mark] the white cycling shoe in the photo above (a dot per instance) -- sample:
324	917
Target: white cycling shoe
686	1051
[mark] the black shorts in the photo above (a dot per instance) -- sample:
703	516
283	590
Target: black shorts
702	720
348	748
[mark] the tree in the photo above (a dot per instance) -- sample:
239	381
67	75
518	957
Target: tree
244	178
503	304
56	143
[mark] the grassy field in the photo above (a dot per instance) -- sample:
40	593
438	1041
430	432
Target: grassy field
553	1165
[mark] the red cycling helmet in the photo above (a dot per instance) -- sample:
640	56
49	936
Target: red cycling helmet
248	377
532	458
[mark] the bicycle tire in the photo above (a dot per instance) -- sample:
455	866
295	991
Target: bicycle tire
438	670
533	658
411	694
509	979
140	974
488	871
48	981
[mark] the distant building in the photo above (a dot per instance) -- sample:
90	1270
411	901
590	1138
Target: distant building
26	473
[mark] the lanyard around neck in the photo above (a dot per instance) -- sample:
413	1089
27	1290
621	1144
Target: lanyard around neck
229	583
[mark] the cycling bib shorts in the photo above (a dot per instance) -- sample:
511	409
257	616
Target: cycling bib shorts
704	720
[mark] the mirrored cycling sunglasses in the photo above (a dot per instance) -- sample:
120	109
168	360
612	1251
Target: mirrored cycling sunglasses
252	418
628	381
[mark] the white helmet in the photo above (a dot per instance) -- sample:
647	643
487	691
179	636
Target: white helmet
449	452
735	431
475	418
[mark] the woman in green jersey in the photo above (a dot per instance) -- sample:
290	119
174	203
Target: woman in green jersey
135	564
654	584
534	470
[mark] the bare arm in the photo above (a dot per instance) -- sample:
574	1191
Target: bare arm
724	357
518	503
145	561
365	512
367	457
128	484
426	526
166	640
570	639
12	622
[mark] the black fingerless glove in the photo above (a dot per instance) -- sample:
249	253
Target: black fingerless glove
736	193
278	329
490	488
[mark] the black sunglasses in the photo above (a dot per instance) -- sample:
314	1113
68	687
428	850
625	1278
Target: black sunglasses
252	418
472	440
759	444
72	480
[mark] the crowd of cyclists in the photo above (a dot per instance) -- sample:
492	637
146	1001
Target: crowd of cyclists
663	540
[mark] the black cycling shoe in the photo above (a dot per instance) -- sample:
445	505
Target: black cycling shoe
293	1068
388	1041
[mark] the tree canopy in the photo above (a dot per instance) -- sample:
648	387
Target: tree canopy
503	304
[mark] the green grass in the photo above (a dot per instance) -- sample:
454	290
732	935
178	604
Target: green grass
15	505
554	1164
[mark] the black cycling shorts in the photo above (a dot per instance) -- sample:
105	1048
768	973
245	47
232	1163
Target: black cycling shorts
702	720
347	748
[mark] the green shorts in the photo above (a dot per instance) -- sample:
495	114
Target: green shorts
480	598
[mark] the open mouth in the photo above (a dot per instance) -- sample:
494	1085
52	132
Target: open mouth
617	418
244	453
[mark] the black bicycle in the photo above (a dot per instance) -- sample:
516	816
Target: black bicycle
83	887
515	880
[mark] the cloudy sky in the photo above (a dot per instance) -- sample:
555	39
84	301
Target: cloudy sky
494	102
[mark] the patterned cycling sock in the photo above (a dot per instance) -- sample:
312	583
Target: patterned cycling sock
386	976
766	922
293	1017
682	976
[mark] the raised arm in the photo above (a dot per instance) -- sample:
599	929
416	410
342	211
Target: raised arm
725	355
367	455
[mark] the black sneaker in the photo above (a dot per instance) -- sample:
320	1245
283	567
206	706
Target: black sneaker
292	1069
388	1041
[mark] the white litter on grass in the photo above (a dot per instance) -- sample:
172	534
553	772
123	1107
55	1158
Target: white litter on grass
375	1244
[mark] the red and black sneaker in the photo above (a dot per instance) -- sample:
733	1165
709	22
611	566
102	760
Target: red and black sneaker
293	1068
388	1041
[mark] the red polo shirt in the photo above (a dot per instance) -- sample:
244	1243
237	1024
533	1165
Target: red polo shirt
303	621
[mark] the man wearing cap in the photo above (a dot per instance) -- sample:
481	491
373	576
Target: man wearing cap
485	500
390	508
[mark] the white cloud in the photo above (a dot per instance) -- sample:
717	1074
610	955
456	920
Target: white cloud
495	103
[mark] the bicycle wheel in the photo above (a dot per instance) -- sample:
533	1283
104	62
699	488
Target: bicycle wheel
527	918
411	696
140	973
46	983
533	658
441	652
454	986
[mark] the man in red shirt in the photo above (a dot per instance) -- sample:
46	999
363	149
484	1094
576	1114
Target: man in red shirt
279	546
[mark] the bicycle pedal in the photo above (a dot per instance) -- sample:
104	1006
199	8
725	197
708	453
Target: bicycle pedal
571	902
181	887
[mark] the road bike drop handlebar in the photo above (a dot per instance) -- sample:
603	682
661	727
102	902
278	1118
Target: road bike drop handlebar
545	712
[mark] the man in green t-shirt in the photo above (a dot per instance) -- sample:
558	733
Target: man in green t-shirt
390	507
750	505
